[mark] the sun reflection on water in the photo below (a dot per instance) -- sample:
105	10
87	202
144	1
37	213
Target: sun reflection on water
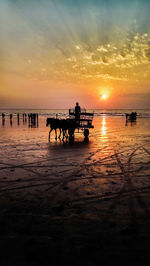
103	128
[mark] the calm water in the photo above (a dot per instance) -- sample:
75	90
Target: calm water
64	112
110	129
106	123
115	161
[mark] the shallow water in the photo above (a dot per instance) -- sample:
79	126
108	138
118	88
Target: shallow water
95	167
64	112
90	196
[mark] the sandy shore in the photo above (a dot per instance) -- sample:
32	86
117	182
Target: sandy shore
85	203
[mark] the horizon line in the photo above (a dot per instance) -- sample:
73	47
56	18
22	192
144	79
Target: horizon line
71	108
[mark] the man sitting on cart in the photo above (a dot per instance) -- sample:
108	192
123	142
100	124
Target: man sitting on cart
77	111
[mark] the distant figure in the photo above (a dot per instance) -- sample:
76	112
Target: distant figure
32	119
11	116
25	118
3	116
3	119
77	111
18	118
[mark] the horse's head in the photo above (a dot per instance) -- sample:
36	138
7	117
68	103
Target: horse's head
49	121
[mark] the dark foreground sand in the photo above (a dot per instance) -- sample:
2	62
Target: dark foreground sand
85	203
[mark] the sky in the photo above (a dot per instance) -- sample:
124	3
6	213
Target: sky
56	52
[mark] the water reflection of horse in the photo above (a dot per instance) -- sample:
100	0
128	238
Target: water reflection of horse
64	125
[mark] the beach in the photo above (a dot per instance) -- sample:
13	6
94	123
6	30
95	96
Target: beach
81	203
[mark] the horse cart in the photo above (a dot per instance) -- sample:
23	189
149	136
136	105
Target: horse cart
84	123
75	123
131	117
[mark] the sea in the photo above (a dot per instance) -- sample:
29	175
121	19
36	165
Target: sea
61	113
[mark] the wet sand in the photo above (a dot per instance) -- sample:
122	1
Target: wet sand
85	203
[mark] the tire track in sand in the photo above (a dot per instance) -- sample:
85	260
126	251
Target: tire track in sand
127	189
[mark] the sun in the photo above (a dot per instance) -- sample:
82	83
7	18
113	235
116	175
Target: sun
104	96
104	93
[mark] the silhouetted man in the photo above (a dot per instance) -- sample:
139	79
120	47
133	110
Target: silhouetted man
77	111
3	116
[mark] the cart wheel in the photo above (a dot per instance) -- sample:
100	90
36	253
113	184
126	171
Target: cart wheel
86	133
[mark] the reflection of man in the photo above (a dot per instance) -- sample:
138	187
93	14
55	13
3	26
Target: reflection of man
77	111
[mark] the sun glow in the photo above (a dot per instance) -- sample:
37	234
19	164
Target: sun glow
104	96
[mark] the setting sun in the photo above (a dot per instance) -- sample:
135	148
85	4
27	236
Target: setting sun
104	96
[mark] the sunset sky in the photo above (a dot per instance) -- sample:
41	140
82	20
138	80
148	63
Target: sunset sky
55	52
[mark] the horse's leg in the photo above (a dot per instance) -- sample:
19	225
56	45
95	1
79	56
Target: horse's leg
63	131
50	133
56	133
66	134
60	133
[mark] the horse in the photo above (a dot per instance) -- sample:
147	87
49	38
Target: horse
63	125
54	124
